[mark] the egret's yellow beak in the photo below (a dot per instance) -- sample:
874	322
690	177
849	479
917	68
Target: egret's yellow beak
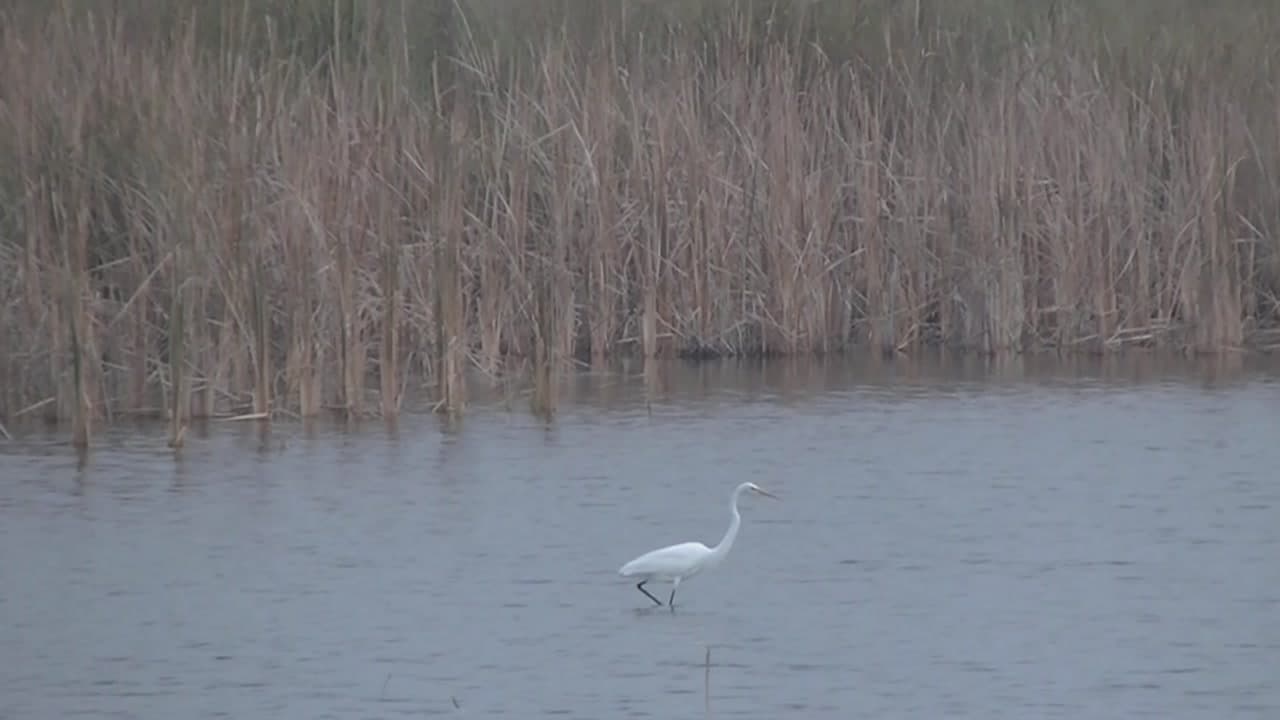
766	493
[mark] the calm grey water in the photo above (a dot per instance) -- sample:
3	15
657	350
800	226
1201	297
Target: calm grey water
1082	541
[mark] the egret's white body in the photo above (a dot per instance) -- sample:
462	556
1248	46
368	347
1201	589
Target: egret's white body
682	561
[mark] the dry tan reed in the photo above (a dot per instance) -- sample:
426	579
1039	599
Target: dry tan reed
243	210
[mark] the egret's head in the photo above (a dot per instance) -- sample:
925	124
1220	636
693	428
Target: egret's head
757	489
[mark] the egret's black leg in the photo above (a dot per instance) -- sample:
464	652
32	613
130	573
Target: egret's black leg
671	601
640	587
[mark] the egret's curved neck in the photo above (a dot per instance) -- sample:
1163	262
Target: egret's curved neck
735	519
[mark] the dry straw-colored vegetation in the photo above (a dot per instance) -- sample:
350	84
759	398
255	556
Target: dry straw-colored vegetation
217	208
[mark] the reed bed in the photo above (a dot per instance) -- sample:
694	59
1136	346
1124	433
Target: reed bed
293	206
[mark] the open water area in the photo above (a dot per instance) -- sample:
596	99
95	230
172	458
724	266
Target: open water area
1035	539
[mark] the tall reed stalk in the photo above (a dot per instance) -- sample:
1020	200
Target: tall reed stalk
178	334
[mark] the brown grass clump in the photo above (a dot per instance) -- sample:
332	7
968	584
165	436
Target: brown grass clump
211	209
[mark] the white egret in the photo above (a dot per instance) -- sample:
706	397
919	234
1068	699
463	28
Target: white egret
682	561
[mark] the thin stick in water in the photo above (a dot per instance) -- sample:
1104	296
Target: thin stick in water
706	682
